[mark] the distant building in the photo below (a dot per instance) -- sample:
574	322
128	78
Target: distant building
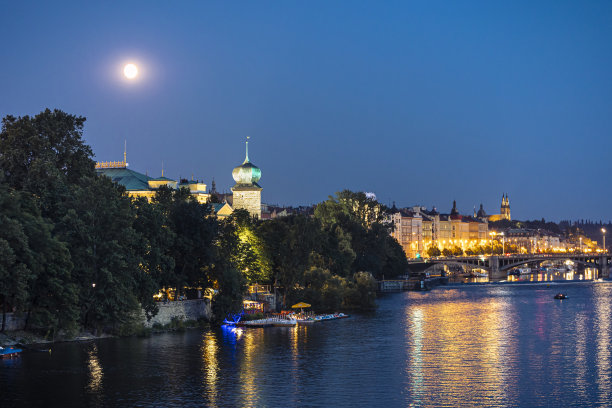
141	185
417	229
270	212
222	210
246	192
504	210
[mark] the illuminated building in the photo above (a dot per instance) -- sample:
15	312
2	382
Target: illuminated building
408	231
246	192
417	229
141	185
504	210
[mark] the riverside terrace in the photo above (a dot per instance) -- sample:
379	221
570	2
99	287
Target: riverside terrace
499	265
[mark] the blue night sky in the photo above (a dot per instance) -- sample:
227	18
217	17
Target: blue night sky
420	102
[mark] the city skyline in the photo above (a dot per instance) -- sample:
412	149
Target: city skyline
421	104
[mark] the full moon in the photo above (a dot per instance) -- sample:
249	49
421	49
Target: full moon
130	71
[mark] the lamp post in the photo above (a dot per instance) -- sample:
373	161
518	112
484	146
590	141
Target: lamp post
580	244
503	243
603	232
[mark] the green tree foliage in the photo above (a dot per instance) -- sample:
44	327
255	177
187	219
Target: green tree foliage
44	155
34	267
361	219
362	294
356	207
98	227
289	245
231	284
239	232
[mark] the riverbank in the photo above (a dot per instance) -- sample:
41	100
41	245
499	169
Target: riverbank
27	338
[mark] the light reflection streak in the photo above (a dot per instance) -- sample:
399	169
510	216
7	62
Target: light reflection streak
95	370
210	349
602	342
461	346
415	327
253	340
581	355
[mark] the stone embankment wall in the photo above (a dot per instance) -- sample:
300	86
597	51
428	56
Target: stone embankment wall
181	310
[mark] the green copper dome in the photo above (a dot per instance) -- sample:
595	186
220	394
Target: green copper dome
247	172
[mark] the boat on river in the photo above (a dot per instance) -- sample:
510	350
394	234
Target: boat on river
561	296
9	352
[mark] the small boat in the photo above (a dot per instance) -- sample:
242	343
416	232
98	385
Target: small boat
9	352
561	296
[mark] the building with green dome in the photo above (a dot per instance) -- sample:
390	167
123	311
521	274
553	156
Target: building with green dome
246	192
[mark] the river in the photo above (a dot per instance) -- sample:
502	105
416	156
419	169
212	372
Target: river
506	345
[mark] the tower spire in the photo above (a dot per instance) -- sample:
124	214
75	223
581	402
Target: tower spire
125	152
246	160
162	168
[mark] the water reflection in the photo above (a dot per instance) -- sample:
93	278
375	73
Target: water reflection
581	354
95	370
461	347
94	386
492	345
210	351
602	342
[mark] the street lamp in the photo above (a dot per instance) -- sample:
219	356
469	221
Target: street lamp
603	232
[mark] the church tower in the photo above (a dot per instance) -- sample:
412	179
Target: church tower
247	193
505	208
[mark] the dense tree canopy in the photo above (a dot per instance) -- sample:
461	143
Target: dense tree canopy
77	252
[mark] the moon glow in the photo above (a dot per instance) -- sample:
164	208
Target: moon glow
130	71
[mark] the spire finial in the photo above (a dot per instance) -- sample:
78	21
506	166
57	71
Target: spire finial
125	152
162	168
246	160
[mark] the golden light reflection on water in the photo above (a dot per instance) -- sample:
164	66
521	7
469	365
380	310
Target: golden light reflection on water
252	341
95	371
210	349
460	346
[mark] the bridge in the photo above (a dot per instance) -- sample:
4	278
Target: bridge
498	266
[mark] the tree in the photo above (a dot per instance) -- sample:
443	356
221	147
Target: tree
34	267
361	294
98	227
357	207
44	154
289	243
433	251
239	230
457	251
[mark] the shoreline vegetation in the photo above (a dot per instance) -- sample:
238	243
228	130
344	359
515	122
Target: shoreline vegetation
77	254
